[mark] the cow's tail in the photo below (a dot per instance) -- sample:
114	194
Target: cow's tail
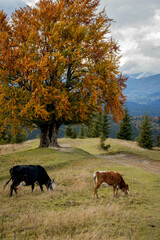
6	183
95	177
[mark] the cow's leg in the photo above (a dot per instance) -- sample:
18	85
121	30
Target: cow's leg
32	187
41	187
97	185
15	189
114	189
15	185
12	188
117	190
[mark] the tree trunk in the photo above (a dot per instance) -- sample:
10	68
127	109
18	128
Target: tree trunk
53	134
49	133
44	138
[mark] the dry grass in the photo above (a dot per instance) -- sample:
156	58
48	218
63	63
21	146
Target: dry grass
11	148
69	212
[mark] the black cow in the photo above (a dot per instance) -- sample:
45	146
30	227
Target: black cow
26	175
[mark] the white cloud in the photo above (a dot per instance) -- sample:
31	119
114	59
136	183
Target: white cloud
140	45
30	2
137	29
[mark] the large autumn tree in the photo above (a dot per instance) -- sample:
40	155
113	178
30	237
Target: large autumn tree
58	65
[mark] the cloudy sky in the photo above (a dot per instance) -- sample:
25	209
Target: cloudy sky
136	28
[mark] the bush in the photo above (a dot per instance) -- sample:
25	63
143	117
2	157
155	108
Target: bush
102	144
18	138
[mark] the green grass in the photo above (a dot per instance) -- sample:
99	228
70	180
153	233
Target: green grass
69	212
91	145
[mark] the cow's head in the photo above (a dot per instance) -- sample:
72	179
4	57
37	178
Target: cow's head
51	185
126	189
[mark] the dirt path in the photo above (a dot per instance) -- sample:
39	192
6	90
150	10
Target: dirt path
133	160
64	147
123	159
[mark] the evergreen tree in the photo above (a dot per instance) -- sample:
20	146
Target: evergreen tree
105	125
125	128
9	137
18	138
68	131
145	136
89	131
102	139
101	125
82	132
102	142
74	133
104	130
158	140
96	126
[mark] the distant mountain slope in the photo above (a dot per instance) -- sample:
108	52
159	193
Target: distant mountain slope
143	95
143	90
153	109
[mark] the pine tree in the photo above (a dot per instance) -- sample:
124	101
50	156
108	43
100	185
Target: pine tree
96	126
68	131
158	140
82	132
125	128
104	130
145	136
74	133
89	132
101	125
105	125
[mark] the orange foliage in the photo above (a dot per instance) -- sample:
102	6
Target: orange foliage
58	62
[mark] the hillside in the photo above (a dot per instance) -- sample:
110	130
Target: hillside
152	108
143	95
70	212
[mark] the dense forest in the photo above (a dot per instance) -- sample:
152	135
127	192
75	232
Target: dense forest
136	122
114	127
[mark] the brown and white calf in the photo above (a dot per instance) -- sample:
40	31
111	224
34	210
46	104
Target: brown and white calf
110	179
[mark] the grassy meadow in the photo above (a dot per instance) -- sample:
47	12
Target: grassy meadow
69	212
91	145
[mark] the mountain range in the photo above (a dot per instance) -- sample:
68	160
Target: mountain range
143	95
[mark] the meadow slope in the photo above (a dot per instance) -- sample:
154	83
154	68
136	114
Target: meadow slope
69	212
